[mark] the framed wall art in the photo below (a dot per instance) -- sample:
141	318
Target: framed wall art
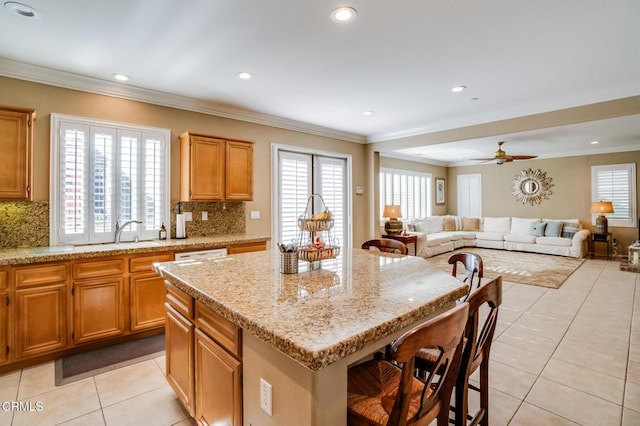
440	191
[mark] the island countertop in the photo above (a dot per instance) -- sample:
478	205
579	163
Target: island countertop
318	316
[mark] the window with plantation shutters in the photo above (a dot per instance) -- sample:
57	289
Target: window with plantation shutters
616	183
410	190
102	172
300	174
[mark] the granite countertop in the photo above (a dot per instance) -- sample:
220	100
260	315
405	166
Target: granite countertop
21	256
318	316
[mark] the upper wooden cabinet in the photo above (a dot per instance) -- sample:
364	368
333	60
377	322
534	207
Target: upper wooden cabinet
16	145
215	169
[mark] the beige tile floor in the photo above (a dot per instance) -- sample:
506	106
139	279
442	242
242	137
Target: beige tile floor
560	357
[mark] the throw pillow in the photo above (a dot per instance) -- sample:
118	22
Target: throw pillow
569	229
448	224
553	229
537	229
471	224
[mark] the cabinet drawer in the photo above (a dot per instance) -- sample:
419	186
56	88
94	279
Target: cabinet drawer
41	274
220	329
247	247
99	268
179	300
4	278
143	263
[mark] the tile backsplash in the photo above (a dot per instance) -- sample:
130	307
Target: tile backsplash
26	223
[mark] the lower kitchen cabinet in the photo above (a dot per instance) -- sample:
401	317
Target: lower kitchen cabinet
40	310
99	308
218	383
4	315
204	360
178	336
146	292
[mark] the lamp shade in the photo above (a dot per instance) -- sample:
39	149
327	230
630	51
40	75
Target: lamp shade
602	207
392	211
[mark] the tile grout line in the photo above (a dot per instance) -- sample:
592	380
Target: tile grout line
551	355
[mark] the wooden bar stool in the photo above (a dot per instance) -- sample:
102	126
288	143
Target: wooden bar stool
478	336
386	392
473	265
386	245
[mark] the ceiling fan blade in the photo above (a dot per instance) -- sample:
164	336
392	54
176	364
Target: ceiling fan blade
482	159
521	157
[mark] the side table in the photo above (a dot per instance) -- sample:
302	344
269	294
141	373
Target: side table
406	239
601	238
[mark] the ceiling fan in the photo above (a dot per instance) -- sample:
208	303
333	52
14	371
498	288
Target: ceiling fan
501	157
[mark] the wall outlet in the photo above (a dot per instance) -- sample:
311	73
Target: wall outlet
205	215
265	396
187	216
255	214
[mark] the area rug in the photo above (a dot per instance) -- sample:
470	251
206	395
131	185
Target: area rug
542	270
80	366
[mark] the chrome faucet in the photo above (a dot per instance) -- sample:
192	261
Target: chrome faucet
120	228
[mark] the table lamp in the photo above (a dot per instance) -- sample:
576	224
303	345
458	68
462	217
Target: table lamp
601	207
392	226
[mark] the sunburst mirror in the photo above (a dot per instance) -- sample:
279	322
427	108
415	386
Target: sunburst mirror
532	186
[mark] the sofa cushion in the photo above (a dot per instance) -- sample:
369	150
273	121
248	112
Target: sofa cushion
522	225
553	229
569	229
455	236
490	236
433	224
497	224
519	238
471	224
537	229
554	241
437	239
448	224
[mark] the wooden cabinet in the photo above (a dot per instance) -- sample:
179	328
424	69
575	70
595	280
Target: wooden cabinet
16	145
40	310
247	247
146	292
204	360
215	169
4	315
99	289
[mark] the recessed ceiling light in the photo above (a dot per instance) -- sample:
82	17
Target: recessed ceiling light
245	75
459	89
120	77
594	142
343	14
367	113
22	10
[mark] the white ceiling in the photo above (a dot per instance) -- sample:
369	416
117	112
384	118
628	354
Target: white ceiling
517	58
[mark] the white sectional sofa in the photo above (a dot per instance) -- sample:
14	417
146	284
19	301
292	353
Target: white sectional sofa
441	234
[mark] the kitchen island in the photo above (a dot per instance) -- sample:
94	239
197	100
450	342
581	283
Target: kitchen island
300	332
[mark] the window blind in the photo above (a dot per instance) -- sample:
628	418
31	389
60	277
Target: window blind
616	183
410	190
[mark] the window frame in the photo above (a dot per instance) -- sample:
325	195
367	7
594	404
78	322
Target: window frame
429	195
55	185
630	168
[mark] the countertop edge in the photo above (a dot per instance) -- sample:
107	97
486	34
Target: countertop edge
316	360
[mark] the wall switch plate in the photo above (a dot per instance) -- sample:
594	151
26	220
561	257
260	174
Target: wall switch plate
187	216
265	396
205	215
255	214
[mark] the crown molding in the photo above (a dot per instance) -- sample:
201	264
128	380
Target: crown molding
52	77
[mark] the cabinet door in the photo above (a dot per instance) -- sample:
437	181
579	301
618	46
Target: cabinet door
207	169
239	171
41	320
99	309
178	334
218	384
146	301
4	327
16	140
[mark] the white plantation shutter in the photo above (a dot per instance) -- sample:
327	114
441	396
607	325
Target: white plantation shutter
469	189
410	190
616	183
107	171
301	174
